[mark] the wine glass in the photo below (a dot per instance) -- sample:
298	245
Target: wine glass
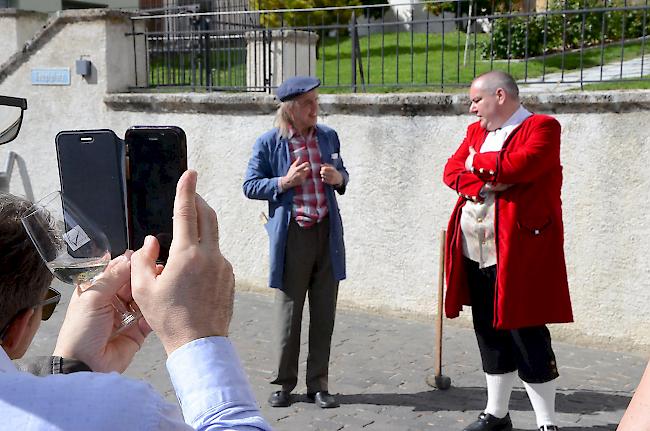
73	247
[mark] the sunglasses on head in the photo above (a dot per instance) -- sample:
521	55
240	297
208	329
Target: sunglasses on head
52	298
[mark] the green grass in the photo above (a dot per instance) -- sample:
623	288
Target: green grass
163	72
425	69
395	63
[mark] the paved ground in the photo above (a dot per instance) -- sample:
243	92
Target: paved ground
635	68
379	365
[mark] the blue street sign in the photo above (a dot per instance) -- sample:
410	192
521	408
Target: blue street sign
51	76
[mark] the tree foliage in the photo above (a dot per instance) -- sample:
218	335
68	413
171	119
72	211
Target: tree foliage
303	19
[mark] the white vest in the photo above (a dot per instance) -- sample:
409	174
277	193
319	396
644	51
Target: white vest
477	218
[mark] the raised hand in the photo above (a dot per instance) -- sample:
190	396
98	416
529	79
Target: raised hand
297	174
193	296
330	175
89	324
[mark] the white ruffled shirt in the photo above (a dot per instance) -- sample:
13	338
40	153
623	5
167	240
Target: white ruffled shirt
477	218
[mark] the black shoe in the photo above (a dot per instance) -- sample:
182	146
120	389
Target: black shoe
280	399
549	428
323	399
487	422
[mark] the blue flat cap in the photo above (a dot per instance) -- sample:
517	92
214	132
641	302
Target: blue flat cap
295	86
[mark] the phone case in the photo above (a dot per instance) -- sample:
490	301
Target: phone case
92	173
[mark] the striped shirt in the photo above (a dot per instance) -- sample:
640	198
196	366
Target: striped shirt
309	201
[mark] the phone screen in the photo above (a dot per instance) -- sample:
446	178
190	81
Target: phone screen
157	159
91	170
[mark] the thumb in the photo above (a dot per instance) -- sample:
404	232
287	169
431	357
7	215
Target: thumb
115	275
144	269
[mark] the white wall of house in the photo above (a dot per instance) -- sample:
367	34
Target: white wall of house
17	28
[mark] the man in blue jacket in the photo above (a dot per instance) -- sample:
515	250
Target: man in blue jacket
296	167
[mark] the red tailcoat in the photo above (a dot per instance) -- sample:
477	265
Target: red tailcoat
531	286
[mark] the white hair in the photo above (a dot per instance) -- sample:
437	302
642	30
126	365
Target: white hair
283	118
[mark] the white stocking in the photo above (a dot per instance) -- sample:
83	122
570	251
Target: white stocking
542	397
499	387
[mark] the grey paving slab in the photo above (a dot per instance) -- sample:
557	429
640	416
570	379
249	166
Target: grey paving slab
555	82
378	368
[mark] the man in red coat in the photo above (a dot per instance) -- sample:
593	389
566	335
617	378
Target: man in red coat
505	246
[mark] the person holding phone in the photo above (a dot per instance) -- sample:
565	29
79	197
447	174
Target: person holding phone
297	167
205	371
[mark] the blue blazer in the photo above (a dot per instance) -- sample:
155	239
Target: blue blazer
269	162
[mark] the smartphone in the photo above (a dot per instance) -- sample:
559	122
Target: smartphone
156	159
92	175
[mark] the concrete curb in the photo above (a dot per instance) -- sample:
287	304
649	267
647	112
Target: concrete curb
402	104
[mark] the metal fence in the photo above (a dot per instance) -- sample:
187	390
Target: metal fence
408	47
195	44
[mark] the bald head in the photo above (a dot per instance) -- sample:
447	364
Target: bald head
495	97
495	79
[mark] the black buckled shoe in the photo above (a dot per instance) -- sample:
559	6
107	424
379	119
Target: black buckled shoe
323	399
280	399
549	428
487	422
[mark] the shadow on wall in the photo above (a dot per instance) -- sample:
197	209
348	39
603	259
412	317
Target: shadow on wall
92	77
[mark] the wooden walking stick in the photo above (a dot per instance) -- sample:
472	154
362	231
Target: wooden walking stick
439	380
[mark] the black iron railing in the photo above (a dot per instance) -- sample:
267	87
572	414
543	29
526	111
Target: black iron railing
413	46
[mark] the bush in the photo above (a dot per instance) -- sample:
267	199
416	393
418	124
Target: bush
514	38
517	37
625	24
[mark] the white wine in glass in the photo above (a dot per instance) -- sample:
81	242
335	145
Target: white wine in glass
73	247
77	271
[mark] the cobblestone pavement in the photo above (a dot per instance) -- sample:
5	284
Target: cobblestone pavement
378	368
